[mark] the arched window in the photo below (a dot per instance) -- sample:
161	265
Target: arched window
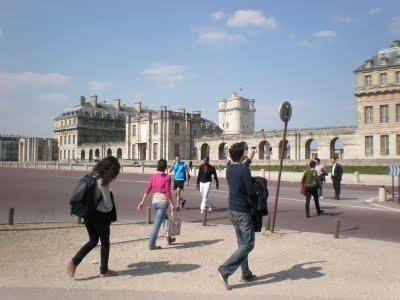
205	151
119	153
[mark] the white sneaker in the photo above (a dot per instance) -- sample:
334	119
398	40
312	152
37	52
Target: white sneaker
210	209
320	197
202	211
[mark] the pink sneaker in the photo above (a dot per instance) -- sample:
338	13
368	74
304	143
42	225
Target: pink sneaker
71	268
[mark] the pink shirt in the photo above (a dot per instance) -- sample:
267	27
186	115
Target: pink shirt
160	183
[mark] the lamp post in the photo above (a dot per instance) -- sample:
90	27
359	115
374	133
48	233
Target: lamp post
285	113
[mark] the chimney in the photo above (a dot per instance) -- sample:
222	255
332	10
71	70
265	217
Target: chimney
138	106
396	43
117	104
181	110
83	100
93	101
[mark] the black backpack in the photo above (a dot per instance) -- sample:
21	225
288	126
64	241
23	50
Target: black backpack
259	204
81	196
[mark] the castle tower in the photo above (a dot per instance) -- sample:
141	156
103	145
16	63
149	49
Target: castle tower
236	115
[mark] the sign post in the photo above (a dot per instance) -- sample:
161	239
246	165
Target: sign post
394	170
285	113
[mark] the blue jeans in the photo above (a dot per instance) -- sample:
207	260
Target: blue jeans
161	215
244	228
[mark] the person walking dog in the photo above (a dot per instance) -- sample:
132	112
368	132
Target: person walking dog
160	184
241	188
310	183
100	213
204	178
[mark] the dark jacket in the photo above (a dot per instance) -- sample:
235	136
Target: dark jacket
206	176
93	215
338	172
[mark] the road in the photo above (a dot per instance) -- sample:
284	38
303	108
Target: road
42	195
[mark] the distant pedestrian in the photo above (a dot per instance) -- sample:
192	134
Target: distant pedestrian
190	166
204	178
321	173
160	185
337	174
241	188
310	182
100	213
181	175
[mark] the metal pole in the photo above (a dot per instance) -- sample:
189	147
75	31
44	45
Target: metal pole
148	215
11	216
204	218
279	177
337	229
393	188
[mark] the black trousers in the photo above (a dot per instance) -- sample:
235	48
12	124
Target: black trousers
314	193
96	229
336	186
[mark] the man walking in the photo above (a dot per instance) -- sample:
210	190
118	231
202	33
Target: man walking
321	173
241	188
337	173
204	179
181	175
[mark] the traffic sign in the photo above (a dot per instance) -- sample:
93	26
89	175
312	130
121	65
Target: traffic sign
394	170
285	111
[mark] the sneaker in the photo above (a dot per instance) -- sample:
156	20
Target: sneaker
202	211
183	203
170	240
210	209
155	248
321	211
248	278
71	268
178	209
109	273
224	281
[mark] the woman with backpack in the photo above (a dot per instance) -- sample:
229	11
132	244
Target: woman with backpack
100	213
160	185
310	188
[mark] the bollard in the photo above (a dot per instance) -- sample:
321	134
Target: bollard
70	166
382	194
86	167
57	165
204	218
268	223
262	173
148	215
356	177
142	169
45	165
11	216
337	229
80	221
122	169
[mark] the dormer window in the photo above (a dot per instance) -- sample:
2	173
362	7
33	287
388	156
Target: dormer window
384	61
368	63
397	59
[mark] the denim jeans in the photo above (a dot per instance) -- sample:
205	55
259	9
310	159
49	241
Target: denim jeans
244	228
161	215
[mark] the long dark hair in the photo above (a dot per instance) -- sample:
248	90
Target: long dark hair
161	165
107	169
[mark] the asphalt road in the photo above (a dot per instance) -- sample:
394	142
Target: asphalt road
42	195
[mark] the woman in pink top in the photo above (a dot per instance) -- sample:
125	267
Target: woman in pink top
160	185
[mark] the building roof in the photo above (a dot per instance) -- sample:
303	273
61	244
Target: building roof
385	58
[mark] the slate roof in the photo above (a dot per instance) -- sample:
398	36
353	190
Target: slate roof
385	58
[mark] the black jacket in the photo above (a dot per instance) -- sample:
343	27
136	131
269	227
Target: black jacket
205	176
338	172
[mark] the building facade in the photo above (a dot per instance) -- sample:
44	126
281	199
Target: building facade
37	149
9	147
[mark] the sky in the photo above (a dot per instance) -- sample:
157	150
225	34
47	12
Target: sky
188	54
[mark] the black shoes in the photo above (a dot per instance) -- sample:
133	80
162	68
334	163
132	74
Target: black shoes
183	203
224	280
170	240
321	211
248	278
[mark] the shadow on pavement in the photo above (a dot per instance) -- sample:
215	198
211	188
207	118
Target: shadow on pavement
296	272
149	268
196	244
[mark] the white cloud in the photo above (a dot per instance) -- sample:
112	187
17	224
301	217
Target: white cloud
344	19
305	43
216	35
326	34
52	97
98	86
167	74
217	15
251	18
374	10
395	25
10	81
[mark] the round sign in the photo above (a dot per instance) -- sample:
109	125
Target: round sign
285	111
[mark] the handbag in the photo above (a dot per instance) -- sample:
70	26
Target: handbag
173	227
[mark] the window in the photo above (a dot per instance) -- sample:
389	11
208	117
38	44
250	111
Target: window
155	151
368	115
60	141
155	128
177	129
133	130
384	145
73	154
62	123
398	77
73	139
397	112
384	112
74	121
69	152
176	149
369	146
65	155
384	61
69	140
194	133
227	125
60	155
383	78
65	141
367	81
398	144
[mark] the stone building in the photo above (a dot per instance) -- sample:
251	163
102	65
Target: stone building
37	149
9	147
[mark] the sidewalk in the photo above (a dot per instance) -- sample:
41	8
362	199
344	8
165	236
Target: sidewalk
290	265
